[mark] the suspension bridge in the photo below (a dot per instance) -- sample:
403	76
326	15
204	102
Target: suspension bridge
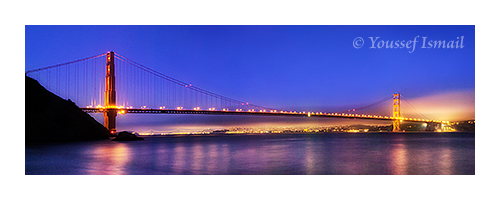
112	84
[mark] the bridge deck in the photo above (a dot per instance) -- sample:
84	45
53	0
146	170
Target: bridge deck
258	113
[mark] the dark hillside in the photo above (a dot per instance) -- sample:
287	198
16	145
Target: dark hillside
49	118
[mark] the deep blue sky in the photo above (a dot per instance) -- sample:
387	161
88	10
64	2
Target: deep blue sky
284	67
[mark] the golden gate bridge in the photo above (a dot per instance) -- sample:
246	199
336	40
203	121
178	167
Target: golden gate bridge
112	84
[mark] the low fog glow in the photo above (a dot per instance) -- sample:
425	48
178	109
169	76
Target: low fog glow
451	106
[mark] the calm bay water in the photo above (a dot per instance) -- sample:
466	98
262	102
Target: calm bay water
332	153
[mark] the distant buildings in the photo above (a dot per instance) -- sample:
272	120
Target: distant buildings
415	127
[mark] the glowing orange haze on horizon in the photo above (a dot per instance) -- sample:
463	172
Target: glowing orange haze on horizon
451	106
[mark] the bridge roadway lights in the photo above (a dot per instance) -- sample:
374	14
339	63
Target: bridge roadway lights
111	113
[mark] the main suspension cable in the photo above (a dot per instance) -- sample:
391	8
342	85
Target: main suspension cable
62	64
181	83
418	113
369	105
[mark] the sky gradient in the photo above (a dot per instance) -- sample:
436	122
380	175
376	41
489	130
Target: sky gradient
312	68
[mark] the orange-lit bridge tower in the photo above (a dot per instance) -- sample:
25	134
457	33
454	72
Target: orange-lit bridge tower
110	94
396	111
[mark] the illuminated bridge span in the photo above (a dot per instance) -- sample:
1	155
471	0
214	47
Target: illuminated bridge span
112	84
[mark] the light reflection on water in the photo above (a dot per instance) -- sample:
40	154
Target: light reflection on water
446	161
400	161
309	158
386	153
109	159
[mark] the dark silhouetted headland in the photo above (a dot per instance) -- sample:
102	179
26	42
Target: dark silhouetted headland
49	118
126	136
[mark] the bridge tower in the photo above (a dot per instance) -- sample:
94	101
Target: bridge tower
396	111
110	94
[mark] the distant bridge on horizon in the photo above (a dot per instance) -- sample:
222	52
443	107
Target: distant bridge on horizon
112	84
